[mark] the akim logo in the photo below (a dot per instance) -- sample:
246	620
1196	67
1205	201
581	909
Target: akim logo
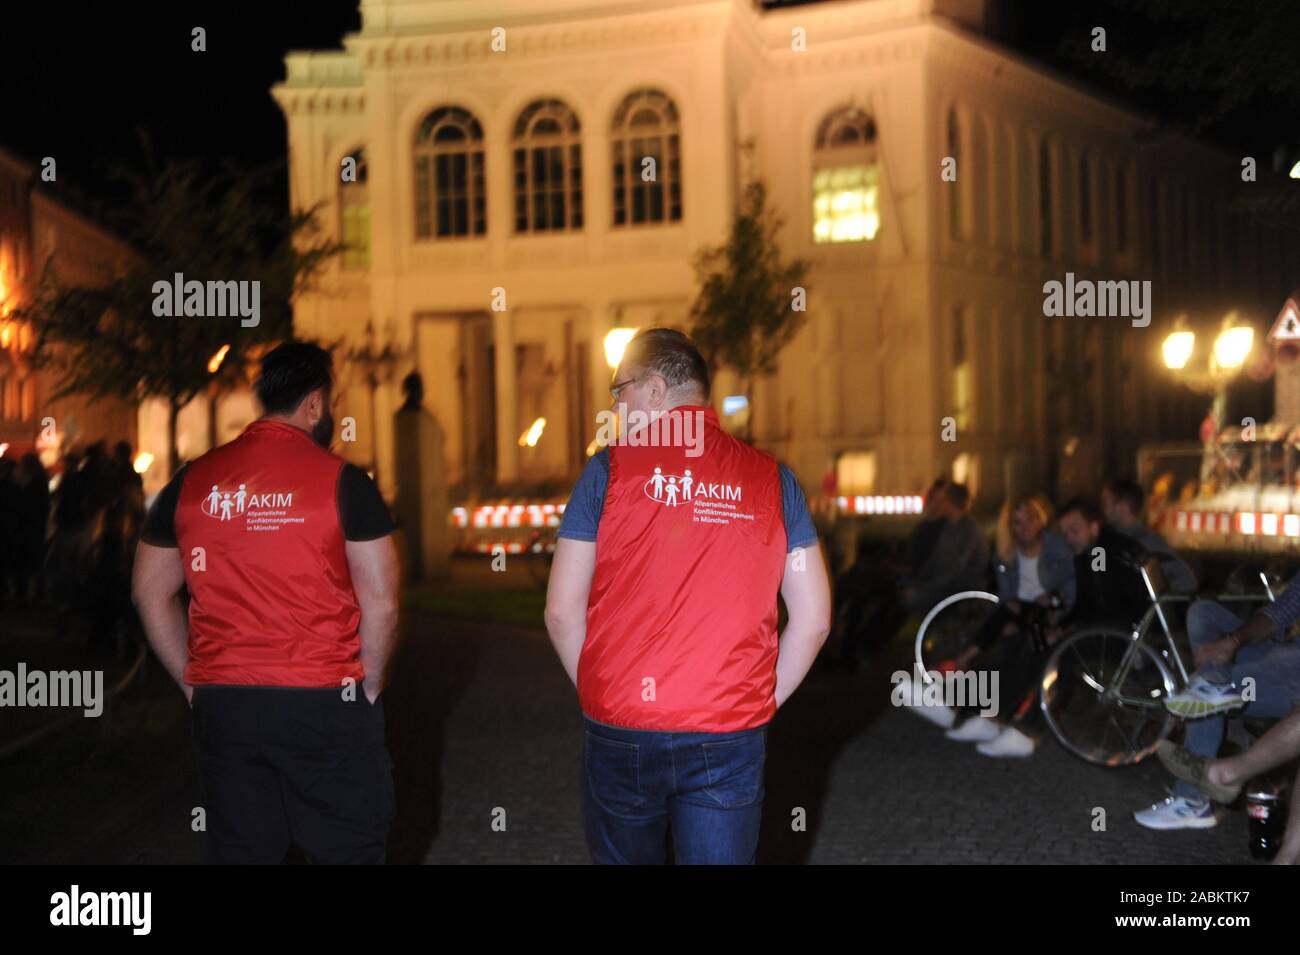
673	489
224	505
668	488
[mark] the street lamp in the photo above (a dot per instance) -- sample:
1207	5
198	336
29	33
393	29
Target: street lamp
616	340
1177	349
1211	374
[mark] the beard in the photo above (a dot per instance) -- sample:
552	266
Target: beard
322	432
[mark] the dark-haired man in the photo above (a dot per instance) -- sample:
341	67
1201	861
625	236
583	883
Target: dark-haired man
289	560
1121	502
662	607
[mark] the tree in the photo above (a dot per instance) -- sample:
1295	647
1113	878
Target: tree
106	341
745	312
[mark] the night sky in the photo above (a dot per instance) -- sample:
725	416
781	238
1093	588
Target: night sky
84	76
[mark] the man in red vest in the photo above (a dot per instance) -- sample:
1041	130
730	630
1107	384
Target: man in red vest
662	606
288	556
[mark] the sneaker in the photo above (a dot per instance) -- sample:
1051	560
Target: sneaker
1177	812
1010	742
1191	768
938	714
1203	699
977	729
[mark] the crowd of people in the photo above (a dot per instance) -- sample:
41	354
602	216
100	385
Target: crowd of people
1053	571
67	539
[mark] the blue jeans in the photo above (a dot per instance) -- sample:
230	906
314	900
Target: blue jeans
706	787
1274	665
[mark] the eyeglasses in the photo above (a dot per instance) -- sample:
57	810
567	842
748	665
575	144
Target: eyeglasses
617	389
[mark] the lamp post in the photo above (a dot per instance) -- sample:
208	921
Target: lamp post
1209	372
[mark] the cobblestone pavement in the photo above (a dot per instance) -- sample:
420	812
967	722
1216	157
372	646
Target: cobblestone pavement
878	784
482	719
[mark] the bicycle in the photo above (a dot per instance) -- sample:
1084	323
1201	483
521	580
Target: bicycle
1120	717
1103	688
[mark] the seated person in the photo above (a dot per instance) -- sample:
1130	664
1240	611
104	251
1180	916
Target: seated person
1121	502
1227	653
958	560
1034	565
1105	591
1222	779
868	605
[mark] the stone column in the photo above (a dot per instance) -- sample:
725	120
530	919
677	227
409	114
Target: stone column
507	397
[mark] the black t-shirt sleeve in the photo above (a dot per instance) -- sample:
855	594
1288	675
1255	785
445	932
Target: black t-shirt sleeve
362	510
160	523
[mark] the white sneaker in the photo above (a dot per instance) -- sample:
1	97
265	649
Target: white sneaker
1203	698
1010	742
977	729
1177	812
913	701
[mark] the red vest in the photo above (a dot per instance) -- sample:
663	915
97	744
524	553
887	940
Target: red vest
273	604
690	553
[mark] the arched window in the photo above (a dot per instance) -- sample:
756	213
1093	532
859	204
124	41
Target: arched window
547	168
954	197
450	199
354	211
846	178
645	143
1044	200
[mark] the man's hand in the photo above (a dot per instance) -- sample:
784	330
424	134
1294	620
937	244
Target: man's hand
1216	653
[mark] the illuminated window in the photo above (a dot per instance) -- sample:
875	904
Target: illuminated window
547	162
450	192
645	127
354	215
963	384
855	473
846	178
954	197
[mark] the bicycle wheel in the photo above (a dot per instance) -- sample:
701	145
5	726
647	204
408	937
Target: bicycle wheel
1103	697
951	625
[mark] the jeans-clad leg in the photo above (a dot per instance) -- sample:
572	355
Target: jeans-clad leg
624	795
718	806
707	786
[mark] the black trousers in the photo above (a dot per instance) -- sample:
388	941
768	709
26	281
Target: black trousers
281	765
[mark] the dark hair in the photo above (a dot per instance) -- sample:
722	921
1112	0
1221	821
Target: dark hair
1127	492
1086	508
958	495
290	373
669	353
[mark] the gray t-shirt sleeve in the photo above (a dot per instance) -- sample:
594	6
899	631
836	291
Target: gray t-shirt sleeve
799	529
582	513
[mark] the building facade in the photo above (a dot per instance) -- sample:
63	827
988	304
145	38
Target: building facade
486	162
37	232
